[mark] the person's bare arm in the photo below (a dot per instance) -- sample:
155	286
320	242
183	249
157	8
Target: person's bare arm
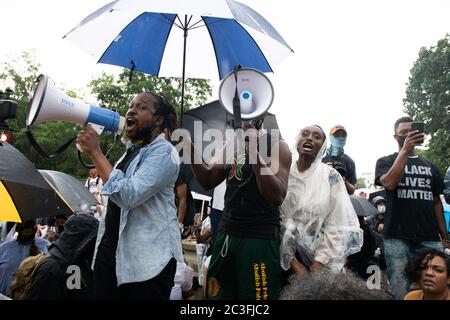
298	267
203	238
181	190
273	186
349	186
209	176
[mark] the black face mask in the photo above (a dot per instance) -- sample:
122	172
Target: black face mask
59	229
26	235
401	141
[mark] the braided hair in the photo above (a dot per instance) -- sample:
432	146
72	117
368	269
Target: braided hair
167	111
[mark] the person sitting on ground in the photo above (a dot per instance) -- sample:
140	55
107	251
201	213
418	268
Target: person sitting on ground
430	269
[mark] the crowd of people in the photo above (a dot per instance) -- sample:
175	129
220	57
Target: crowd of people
291	234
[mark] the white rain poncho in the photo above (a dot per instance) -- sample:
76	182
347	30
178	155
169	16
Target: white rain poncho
318	219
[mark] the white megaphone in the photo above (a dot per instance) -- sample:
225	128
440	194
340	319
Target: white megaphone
254	90
49	103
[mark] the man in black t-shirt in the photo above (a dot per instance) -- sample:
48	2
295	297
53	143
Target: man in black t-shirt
336	158
414	215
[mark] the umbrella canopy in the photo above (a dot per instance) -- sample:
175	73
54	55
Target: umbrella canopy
362	206
71	189
24	193
152	37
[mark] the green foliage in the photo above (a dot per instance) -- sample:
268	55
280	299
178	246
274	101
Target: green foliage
22	71
428	99
360	183
111	92
116	93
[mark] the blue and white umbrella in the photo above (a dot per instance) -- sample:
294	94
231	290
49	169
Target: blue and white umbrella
191	38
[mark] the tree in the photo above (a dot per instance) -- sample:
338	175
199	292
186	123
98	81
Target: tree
361	183
22	71
111	92
115	93
428	99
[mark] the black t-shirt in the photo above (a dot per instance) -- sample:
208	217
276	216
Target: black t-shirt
410	212
346	162
108	244
246	212
184	176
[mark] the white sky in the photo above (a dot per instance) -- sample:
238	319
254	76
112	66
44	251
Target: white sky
351	62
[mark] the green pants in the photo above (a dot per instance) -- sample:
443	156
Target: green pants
244	269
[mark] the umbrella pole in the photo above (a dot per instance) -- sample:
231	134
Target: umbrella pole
201	212
185	28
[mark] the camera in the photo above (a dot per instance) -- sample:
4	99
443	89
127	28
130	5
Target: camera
339	167
8	109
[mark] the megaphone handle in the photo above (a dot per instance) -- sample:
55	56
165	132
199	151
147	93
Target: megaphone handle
89	166
79	148
236	102
98	128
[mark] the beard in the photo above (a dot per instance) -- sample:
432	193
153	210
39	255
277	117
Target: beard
143	134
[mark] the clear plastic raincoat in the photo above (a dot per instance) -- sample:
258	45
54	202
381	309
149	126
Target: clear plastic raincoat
318	219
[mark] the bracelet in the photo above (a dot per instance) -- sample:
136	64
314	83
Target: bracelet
446	240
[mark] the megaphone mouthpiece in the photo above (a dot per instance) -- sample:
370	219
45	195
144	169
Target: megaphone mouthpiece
246	100
255	92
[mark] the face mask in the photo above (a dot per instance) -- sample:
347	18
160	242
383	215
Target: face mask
381	209
59	229
26	235
401	141
338	142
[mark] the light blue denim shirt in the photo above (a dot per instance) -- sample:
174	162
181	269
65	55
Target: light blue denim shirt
148	234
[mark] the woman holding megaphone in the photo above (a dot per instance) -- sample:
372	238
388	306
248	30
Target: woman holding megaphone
136	257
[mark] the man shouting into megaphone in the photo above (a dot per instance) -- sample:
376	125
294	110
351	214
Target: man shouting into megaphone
140	210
